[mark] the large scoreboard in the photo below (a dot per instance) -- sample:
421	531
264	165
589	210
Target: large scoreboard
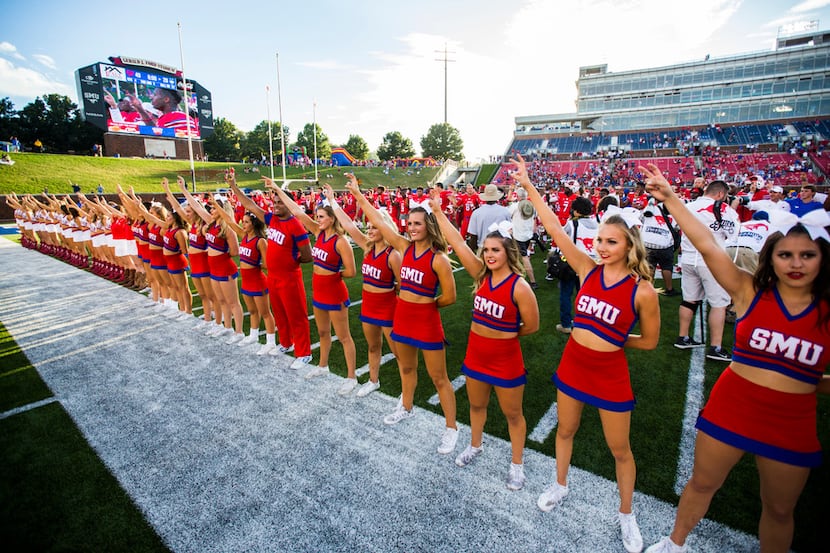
133	96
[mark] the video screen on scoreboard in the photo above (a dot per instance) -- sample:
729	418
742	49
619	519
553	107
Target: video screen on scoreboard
147	103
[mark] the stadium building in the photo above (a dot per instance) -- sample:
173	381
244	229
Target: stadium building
734	108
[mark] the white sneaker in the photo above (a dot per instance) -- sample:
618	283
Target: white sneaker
300	362
666	546
183	315
466	457
398	414
315	372
631	537
368	388
266	349
516	477
552	496
234	338
214	330
448	440
249	339
348	385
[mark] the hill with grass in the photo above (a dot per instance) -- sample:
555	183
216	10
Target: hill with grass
32	173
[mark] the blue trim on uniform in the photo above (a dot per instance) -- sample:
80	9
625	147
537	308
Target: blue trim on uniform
740	355
249	293
200	275
429	346
797	458
376	322
225	278
330	306
616	406
494	380
159	267
176	272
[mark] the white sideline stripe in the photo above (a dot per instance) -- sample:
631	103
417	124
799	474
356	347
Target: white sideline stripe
545	425
457	383
694	401
29	407
385	358
316	345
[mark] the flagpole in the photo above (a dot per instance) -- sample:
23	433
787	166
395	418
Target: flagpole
282	126
186	95
314	118
270	137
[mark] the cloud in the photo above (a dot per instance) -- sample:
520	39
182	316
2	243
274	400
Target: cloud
21	82
10	49
324	64
45	60
809	5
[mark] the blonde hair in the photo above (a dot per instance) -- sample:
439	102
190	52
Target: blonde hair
511	249
387	220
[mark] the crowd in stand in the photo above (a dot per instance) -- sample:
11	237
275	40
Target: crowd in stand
744	246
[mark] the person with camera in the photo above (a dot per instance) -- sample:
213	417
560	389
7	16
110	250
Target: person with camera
696	281
581	228
661	240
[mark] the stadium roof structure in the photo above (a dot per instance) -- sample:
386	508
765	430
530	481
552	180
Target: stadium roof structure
788	83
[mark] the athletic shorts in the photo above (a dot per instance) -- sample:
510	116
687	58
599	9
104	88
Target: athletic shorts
378	308
143	252
494	361
418	325
598	378
176	263
661	257
199	267
698	284
253	281
222	267
328	292
766	422
523	245
157	259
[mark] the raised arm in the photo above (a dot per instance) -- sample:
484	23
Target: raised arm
577	259
171	199
197	206
389	234
736	282
359	238
225	216
471	262
150	217
246	202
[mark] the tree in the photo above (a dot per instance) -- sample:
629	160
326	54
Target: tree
305	139
443	142
357	147
255	143
225	144
8	119
394	145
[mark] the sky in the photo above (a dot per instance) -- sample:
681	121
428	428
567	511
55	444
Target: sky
372	67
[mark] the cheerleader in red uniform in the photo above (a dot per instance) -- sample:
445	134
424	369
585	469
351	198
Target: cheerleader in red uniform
381	265
765	402
504	308
417	325
615	291
333	261
252	251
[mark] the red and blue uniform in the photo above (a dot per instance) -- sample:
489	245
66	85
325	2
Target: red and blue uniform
140	234
199	267
418	324
600	378
378	308
174	258
497	361
328	291
250	261
285	282
763	421
222	266
155	238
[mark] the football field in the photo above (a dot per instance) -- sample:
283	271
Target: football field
222	450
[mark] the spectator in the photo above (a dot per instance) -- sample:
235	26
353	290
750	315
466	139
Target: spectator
486	215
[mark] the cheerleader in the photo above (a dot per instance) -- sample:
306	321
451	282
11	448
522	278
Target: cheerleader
504	308
380	268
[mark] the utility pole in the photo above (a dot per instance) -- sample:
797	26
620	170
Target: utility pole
445	60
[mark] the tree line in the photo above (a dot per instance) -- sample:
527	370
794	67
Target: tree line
55	122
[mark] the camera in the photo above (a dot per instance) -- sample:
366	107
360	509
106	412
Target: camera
744	200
